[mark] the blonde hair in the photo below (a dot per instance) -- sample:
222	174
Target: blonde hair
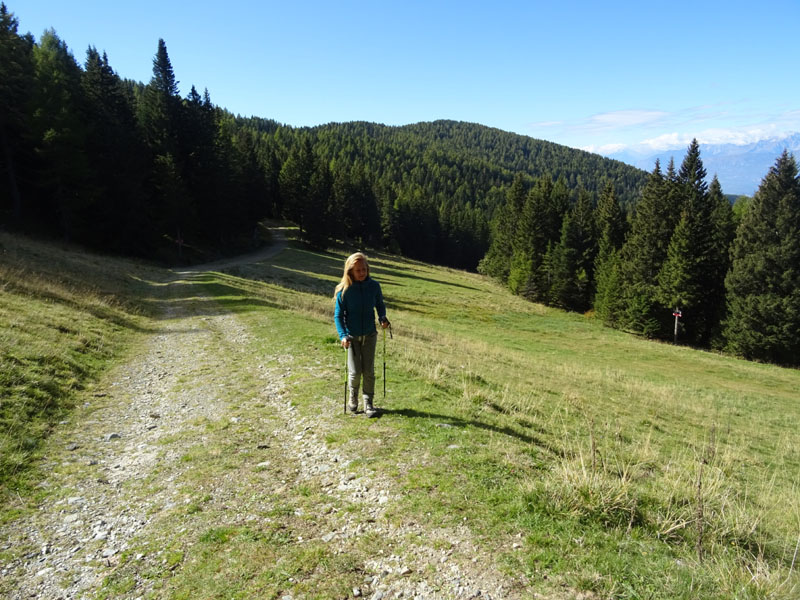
347	278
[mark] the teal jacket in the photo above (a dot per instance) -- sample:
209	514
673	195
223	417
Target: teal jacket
355	309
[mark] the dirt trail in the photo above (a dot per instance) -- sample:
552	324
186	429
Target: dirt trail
112	472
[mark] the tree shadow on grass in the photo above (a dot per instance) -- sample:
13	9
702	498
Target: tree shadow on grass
450	421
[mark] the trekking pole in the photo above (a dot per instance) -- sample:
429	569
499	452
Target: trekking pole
346	373
384	365
384	358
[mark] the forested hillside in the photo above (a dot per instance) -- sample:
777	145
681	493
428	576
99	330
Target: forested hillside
136	168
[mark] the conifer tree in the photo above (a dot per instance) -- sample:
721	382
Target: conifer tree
586	231
366	208
343	204
316	220
763	285
676	286
389	224
171	206
59	129
295	180
497	261
530	243
723	232
609	221
160	105
643	254
693	279
564	290
571	260
16	90
116	159
610	224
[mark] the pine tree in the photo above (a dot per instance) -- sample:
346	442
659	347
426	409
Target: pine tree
643	254
693	278
676	287
295	180
343	205
389	224
571	260
16	90
763	285
160	106
59	128
565	280
530	242
366	208
610	225
586	248
609	221
609	304
497	261
117	159
318	229
723	232
693	174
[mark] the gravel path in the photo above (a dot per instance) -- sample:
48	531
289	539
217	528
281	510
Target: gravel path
112	472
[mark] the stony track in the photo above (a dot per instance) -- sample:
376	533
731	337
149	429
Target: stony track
112	472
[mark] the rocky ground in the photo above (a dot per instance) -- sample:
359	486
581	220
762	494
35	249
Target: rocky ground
112	474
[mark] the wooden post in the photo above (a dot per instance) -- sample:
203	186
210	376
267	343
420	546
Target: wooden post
677	315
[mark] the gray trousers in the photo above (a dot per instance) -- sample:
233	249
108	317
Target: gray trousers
361	365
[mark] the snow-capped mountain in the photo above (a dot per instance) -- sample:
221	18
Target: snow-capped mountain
739	167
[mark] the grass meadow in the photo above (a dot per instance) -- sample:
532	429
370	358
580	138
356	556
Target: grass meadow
582	458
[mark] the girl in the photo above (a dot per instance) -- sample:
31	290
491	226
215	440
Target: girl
357	297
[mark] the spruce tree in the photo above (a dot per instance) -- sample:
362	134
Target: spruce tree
586	247
497	261
763	285
643	254
60	129
116	159
566	282
530	243
572	258
677	289
159	109
723	231
343	204
609	221
295	180
318	229
16	90
695	278
610	225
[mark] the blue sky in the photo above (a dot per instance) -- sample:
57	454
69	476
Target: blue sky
593	75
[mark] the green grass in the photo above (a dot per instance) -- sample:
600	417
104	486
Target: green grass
581	458
629	468
64	317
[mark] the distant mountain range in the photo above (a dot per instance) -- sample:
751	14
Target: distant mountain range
739	168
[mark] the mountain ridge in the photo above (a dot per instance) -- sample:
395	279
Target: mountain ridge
739	167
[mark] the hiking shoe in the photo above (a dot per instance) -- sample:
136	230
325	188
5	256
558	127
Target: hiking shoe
352	406
370	410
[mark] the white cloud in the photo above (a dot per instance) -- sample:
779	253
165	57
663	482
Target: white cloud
665	141
604	149
647	131
545	124
626	118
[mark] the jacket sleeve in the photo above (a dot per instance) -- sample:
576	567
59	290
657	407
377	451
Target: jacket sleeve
379	305
339	317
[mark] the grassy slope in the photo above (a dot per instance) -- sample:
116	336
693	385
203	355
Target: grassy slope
627	467
64	317
578	455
